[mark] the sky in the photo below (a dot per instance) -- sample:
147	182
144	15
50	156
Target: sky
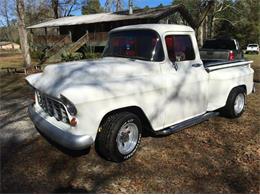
143	3
138	3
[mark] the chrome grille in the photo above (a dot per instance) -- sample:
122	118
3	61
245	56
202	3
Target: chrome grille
53	107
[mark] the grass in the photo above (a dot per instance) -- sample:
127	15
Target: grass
255	58
12	59
255	65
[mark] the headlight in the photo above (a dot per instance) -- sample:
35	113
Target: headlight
70	106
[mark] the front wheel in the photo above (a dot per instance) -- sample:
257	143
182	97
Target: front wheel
119	136
235	105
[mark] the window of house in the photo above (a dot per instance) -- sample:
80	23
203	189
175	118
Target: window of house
179	48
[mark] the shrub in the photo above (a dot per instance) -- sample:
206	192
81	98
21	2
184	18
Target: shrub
71	56
89	52
37	54
90	55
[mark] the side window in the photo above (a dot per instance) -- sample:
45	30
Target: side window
179	48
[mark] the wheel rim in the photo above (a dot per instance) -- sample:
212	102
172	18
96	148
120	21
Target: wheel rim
239	103
127	138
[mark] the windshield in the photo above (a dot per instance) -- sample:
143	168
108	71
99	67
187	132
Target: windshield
252	45
135	44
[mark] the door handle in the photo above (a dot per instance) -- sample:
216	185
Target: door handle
175	65
196	65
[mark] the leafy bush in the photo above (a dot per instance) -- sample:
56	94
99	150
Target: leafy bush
90	55
71	56
37	54
89	52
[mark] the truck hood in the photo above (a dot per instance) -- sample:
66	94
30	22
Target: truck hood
76	77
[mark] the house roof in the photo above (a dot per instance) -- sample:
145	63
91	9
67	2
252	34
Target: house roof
154	13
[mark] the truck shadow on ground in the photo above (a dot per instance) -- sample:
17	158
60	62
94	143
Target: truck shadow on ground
206	161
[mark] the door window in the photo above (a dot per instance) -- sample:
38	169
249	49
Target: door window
179	48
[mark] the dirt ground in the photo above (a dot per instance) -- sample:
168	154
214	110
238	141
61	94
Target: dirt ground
217	156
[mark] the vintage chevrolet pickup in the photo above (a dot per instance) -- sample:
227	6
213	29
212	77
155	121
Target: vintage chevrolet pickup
151	78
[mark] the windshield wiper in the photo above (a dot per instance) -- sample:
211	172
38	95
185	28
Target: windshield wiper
128	57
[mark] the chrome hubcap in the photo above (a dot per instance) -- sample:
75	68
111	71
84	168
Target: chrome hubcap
127	138
239	103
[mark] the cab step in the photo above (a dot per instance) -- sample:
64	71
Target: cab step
185	124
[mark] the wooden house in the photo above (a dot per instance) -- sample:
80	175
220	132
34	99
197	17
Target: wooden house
71	33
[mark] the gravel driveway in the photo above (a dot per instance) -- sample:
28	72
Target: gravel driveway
217	156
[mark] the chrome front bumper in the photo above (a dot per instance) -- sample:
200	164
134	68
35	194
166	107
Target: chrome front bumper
254	89
63	138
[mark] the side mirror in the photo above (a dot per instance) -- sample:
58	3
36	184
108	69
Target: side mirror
175	65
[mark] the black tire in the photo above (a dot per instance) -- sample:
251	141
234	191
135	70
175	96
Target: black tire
229	109
106	142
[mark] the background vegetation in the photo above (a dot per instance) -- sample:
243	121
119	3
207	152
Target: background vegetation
234	18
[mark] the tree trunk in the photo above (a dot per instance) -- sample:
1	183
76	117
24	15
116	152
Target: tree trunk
201	35
55	6
23	33
206	28
211	26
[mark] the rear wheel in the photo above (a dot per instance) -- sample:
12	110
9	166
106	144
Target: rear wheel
235	105
119	136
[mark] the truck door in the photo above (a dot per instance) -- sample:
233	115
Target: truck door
185	79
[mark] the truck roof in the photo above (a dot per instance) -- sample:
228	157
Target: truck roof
160	28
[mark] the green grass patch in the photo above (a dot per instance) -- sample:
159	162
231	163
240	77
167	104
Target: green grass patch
12	59
255	65
255	58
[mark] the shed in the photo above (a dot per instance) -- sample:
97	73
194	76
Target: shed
9	46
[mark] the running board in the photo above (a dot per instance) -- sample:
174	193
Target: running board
186	124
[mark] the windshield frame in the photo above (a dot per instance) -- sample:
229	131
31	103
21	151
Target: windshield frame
136	57
252	45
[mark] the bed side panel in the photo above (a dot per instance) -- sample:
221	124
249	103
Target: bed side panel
222	81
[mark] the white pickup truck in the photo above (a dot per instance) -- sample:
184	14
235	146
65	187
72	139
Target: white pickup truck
252	48
150	78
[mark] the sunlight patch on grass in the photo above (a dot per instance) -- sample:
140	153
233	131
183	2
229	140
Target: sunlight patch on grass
255	58
12	59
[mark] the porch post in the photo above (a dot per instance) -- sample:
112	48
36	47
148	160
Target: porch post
46	36
70	35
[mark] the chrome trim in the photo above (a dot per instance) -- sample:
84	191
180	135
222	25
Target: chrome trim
53	107
127	138
254	88
65	139
239	103
208	68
